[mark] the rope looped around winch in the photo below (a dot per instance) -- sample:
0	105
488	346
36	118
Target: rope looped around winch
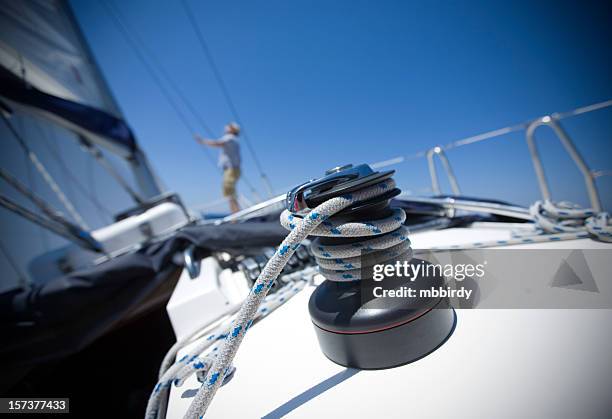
387	235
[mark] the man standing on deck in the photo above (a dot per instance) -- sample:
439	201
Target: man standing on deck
229	161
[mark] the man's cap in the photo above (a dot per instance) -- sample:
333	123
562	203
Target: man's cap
234	126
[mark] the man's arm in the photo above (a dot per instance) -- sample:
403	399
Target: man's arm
207	141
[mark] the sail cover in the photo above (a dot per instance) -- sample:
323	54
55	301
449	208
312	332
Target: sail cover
78	115
62	316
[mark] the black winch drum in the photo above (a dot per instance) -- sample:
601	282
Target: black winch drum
354	335
368	333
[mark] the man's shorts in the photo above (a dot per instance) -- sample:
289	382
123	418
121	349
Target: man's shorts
230	177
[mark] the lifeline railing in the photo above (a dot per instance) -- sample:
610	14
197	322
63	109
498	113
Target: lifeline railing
589	178
529	127
552	121
435	185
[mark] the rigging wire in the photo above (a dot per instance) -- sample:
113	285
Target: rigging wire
225	91
35	199
23	279
45	174
55	222
157	64
44	240
72	178
136	43
132	43
59	226
152	57
101	159
127	36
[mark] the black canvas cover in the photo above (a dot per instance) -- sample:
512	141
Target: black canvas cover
62	316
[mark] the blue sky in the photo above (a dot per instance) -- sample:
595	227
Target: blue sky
323	83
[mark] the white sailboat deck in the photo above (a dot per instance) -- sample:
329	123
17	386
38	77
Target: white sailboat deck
497	363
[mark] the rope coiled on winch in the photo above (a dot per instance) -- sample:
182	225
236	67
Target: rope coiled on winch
385	237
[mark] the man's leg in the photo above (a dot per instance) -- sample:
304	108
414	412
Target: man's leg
230	178
233	202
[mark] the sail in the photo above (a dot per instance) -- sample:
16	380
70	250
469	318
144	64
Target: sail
40	43
59	118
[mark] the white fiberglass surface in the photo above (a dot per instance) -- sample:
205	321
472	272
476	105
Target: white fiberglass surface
497	363
483	232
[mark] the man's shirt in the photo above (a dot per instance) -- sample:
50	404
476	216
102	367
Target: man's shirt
230	152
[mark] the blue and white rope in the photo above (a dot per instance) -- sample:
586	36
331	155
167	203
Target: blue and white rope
341	227
343	263
301	228
560	217
600	225
554	221
195	361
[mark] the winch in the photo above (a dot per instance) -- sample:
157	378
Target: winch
349	212
355	328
